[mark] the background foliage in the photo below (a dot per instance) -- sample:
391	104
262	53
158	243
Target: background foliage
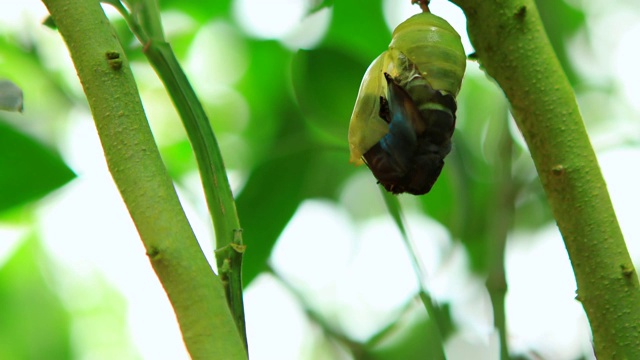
324	266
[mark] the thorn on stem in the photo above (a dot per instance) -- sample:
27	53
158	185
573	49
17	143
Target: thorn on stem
627	270
557	170
113	57
153	253
115	64
521	13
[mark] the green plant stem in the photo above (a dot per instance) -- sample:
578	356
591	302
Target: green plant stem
393	205
502	219
220	201
512	46
197	295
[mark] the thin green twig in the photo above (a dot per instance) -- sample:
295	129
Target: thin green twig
393	205
501	222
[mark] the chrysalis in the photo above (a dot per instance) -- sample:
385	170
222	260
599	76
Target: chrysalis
404	115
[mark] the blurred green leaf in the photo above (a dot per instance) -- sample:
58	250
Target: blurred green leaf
326	83
358	27
28	67
473	198
179	159
34	323
297	168
28	170
464	196
410	337
533	211
561	21
273	191
267	91
201	11
271	196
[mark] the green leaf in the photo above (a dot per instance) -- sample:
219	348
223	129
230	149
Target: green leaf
178	158
533	210
272	192
410	337
201	11
359	28
28	170
464	197
267	93
296	168
31	69
271	196
561	21
326	85
35	325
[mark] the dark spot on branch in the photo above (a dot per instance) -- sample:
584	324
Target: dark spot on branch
627	270
112	55
521	13
115	64
558	170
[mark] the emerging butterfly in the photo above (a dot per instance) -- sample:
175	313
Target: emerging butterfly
404	115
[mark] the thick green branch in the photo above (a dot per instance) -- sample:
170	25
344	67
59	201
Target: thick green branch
513	48
195	292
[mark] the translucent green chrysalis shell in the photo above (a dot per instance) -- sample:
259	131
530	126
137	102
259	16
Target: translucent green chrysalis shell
404	115
434	49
